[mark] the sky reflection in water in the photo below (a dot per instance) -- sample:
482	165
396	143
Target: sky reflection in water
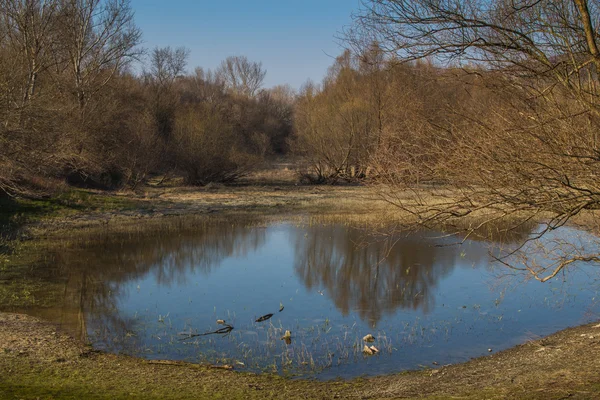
425	303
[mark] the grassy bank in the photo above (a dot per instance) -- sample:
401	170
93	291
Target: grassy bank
80	207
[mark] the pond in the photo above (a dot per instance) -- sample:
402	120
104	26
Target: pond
159	295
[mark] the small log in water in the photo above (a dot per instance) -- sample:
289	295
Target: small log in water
264	318
222	331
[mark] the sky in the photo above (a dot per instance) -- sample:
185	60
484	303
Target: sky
294	39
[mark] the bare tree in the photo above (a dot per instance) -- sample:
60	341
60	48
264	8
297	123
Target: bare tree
207	87
166	65
72	113
241	75
27	43
207	148
277	104
339	126
99	38
29	26
530	149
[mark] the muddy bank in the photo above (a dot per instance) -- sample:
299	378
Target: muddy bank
37	361
88	208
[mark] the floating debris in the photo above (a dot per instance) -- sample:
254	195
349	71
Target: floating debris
226	329
223	331
221	321
369	338
287	337
225	367
264	318
281	307
370	350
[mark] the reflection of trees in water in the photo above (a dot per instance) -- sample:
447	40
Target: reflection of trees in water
169	256
357	277
94	276
377	277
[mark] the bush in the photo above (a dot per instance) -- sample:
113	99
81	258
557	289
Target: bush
207	148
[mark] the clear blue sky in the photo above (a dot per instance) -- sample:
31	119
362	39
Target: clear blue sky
295	40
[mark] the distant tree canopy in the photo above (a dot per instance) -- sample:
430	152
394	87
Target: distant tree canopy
373	117
241	75
71	110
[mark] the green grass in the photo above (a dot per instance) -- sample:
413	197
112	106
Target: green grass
15	213
109	377
115	378
72	200
68	201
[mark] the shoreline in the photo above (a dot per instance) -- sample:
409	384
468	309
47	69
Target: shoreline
37	361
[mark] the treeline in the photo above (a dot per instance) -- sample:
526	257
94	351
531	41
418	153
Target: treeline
72	110
376	118
502	134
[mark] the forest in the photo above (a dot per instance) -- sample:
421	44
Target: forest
74	113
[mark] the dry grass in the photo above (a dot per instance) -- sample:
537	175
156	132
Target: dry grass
355	202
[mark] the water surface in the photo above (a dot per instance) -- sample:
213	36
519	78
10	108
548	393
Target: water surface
426	302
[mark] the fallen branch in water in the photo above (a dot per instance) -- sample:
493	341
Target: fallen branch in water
264	318
226	329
